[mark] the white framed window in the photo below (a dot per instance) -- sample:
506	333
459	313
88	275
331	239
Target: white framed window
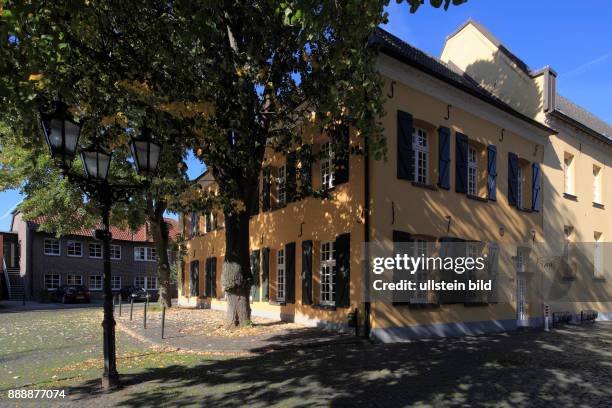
598	255
568	173
207	223
116	282
52	247
327	166
194	223
472	171
146	282
215	218
280	275
521	259
140	281
52	281
421	155
95	282
281	186
145	254
519	187
74	248
115	252
74	280
328	270
420	250
95	250
596	184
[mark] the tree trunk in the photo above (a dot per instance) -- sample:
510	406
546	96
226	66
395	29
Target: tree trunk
236	277
159	228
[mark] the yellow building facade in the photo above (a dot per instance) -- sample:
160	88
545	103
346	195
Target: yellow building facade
576	251
463	165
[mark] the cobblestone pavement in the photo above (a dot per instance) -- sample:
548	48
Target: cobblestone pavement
570	367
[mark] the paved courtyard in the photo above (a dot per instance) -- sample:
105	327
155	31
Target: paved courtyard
62	348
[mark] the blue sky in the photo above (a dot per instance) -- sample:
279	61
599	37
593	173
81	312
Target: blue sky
573	37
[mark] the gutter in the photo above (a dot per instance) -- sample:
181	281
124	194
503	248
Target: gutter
366	224
492	101
584	128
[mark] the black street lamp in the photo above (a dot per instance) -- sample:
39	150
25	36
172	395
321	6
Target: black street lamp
61	134
145	152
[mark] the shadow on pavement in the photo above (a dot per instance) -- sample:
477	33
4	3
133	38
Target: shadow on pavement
569	367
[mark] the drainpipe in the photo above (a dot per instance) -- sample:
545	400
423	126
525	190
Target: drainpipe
366	224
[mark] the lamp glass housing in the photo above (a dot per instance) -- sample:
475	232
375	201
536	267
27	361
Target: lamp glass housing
96	163
61	133
145	152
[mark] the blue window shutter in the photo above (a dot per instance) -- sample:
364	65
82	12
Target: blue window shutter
535	186
492	172
305	172
405	154
444	157
342	277
207	280
213	277
291	177
266	189
512	179
307	272
461	158
290	272
255	272
265	255
341	155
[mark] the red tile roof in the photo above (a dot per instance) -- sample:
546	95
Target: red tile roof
121	234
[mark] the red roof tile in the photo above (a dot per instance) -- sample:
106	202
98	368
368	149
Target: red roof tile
121	234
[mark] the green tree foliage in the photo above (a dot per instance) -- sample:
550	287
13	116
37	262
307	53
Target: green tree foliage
225	78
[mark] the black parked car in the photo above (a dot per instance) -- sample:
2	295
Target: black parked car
71	293
139	294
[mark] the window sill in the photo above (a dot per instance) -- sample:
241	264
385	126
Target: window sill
275	303
527	210
413	305
426	186
570	196
475	304
324	307
598	205
477	198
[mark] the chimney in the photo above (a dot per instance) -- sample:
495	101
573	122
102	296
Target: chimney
550	89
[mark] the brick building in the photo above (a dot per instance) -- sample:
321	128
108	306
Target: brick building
48	262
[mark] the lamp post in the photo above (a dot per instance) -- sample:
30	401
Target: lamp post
61	134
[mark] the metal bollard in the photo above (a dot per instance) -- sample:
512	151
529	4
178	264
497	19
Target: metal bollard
145	311
119	296
131	307
163	322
